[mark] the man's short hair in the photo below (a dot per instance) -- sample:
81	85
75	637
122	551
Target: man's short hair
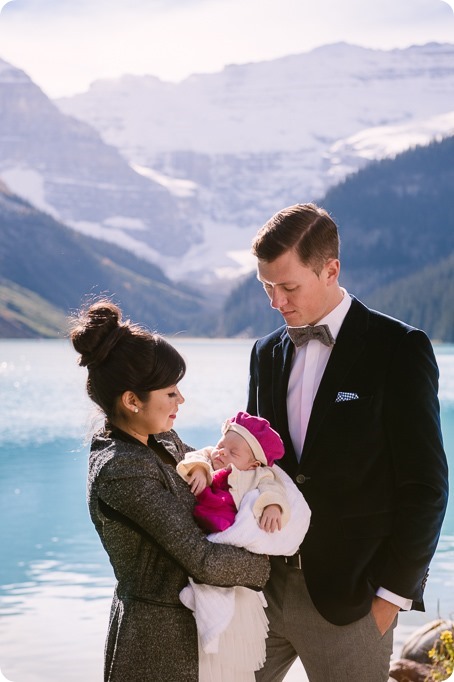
306	228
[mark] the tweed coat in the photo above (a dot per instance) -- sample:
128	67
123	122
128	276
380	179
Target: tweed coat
142	511
373	469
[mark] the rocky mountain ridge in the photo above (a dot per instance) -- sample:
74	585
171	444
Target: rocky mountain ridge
253	138
63	167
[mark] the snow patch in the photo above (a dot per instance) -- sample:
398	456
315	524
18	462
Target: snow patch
384	141
30	185
176	186
125	223
214	261
116	236
244	261
380	142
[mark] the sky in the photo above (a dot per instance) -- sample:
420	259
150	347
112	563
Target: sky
64	45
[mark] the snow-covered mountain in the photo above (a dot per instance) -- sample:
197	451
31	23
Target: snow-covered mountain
184	174
253	138
63	167
275	106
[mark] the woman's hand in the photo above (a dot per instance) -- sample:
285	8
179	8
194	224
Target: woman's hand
271	518
198	480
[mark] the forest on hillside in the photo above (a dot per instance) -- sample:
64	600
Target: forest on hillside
396	222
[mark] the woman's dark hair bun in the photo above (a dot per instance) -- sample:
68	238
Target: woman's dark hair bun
96	330
121	356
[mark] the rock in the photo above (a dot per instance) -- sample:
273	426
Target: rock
423	639
405	670
415	664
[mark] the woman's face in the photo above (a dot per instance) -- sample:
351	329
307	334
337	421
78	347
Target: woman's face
159	412
153	415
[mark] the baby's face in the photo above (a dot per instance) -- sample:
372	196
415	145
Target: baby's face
233	449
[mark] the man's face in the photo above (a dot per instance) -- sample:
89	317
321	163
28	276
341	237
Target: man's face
301	296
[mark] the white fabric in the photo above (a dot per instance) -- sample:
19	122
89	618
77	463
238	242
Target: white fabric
402	602
308	364
307	394
232	629
245	531
233	641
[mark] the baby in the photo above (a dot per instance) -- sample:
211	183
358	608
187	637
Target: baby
236	485
242	460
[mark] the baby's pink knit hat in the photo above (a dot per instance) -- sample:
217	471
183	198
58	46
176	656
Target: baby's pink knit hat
265	442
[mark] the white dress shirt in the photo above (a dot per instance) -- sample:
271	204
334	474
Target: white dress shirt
308	365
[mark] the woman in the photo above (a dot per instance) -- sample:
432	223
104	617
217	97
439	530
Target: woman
140	506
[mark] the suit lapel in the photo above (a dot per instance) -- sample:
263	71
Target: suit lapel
348	346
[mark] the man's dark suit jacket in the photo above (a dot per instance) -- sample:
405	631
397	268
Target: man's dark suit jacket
373	469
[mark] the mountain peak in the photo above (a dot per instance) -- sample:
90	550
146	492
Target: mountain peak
12	74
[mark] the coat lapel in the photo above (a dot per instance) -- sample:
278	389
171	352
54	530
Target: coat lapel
349	344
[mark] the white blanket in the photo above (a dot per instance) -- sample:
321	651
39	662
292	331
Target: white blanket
214	607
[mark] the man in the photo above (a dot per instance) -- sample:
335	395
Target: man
356	406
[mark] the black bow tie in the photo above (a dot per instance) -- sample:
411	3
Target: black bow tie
301	335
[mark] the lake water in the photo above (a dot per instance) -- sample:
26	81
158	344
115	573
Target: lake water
55	580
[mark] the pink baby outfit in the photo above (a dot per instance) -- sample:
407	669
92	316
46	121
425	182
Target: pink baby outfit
215	508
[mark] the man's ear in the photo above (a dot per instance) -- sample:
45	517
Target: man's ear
332	270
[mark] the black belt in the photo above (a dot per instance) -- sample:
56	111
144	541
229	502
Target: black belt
294	561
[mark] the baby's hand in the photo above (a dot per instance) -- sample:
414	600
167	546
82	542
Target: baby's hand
271	518
198	480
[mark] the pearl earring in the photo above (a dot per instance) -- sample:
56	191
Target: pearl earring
136	409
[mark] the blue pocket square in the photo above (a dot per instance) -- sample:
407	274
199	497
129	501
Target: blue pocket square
343	396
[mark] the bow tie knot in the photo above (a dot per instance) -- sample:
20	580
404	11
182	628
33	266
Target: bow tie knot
302	335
